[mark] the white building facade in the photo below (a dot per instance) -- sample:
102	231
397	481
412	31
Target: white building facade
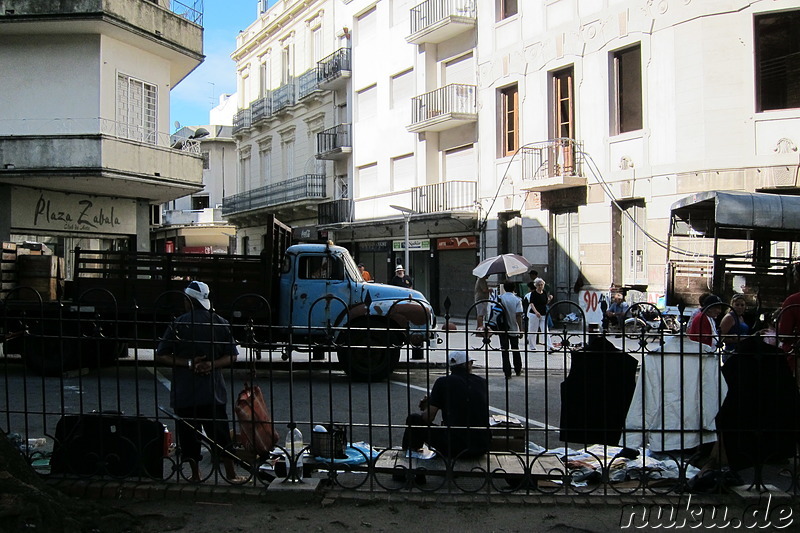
292	67
85	156
562	130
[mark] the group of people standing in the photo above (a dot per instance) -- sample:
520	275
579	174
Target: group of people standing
532	307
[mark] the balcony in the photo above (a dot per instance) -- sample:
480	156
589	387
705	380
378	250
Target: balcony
260	109
335	212
308	84
444	108
334	143
305	187
553	164
282	97
435	21
170	29
333	71
242	120
445	197
99	156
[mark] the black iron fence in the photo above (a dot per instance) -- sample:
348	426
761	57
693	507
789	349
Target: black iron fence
640	407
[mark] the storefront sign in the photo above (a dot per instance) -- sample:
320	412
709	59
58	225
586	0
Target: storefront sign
457	243
413	244
48	210
373	246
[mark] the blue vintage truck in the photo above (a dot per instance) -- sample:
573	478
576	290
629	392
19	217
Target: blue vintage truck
299	298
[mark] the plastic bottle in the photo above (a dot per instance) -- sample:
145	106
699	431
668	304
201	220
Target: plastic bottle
294	452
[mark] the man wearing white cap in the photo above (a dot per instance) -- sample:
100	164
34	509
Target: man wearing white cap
400	279
198	345
463	399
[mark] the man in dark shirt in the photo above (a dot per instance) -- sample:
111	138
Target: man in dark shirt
198	345
400	279
463	399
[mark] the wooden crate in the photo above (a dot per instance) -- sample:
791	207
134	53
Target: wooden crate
40	266
48	288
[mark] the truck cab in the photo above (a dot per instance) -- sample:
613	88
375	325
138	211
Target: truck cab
322	293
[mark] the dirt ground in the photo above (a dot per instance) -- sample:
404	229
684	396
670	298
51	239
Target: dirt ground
370	516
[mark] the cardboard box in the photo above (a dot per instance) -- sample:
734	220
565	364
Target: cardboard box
508	439
9	246
9	256
48	289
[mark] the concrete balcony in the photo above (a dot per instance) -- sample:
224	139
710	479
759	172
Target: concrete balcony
260	110
308	84
308	187
445	197
553	164
334	143
435	21
445	108
99	156
171	29
334	71
283	97
335	212
242	121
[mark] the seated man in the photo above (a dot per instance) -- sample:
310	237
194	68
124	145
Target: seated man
616	311
463	399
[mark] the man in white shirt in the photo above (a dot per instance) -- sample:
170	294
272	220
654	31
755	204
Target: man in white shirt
513	308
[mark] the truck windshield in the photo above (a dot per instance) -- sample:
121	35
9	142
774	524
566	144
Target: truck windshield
351	268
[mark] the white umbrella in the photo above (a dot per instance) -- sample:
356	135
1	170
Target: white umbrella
508	264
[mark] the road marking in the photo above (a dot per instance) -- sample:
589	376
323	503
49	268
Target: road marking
528	421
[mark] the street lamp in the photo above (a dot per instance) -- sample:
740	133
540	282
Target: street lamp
406	215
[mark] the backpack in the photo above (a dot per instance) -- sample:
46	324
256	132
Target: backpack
498	320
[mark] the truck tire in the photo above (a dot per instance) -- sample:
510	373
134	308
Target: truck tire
367	358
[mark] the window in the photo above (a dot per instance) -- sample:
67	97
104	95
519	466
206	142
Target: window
199	202
341	188
286	61
367	103
288	159
136	109
367	180
265	164
627	79
404	172
561	156
206	160
316	45
264	78
509	120
778	60
244	173
320	267
402	87
506	8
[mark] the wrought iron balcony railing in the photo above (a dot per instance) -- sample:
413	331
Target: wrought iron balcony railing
242	120
261	109
447	196
305	187
332	66
283	97
431	12
456	101
333	141
308	83
553	158
335	212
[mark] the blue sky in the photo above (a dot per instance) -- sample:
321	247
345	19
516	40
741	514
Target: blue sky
194	97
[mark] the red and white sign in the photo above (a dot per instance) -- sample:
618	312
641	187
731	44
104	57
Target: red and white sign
457	243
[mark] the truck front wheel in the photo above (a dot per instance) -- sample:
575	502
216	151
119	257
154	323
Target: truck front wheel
368	355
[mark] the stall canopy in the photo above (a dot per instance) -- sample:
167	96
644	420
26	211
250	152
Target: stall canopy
738	215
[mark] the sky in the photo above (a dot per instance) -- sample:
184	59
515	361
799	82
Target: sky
193	98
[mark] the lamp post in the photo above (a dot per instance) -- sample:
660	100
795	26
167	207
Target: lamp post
407	216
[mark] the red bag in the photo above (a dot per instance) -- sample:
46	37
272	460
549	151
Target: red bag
256	430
